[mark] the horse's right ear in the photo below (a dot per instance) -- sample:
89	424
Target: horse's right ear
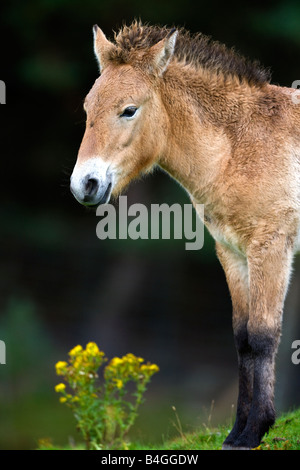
102	47
162	52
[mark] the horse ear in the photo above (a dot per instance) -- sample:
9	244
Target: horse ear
163	51
102	47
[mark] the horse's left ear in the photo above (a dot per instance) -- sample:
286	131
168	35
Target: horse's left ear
162	52
102	47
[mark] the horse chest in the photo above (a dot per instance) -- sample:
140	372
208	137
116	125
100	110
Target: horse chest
223	232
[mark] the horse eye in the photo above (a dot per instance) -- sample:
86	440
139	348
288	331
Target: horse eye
129	112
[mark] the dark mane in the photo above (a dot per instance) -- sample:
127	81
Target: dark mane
198	50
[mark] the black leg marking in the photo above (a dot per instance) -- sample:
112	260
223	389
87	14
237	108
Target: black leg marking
245	365
262	413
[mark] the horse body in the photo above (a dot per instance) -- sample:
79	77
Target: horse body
231	140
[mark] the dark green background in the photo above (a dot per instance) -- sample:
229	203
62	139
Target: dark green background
60	285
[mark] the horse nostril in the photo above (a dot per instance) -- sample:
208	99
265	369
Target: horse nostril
91	186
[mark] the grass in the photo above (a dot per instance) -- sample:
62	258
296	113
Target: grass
285	435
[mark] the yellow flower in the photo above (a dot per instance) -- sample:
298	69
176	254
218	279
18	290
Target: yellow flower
119	383
77	363
115	362
93	349
60	387
129	358
62	399
60	367
75	350
149	368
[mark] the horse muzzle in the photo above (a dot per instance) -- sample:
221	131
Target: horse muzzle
91	187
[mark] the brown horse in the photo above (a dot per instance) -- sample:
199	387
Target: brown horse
213	121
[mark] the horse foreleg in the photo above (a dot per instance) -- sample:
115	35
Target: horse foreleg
269	272
236	271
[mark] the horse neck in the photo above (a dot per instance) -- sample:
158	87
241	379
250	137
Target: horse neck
204	116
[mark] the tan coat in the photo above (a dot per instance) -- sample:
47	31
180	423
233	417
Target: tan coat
214	122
